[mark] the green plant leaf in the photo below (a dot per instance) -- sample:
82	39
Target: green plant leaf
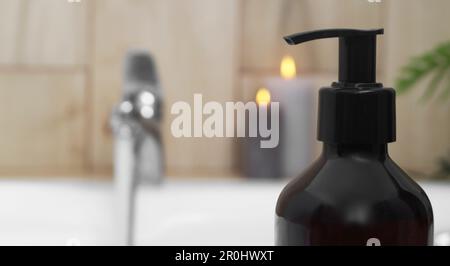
432	87
419	67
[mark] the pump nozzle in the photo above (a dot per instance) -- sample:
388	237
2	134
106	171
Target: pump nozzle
357	51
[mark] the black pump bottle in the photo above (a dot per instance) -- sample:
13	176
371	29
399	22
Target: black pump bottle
354	194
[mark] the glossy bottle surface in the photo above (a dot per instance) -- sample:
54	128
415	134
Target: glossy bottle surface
353	195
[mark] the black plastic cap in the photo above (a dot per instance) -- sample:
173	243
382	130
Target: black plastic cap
357	114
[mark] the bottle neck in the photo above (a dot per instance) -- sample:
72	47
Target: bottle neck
368	151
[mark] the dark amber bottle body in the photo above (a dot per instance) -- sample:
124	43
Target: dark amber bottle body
354	195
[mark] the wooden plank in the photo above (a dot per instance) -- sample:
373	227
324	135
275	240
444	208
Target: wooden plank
194	43
43	32
9	16
43	121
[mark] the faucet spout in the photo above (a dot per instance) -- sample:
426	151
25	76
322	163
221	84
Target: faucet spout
136	121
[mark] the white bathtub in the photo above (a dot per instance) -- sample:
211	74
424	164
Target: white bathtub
176	213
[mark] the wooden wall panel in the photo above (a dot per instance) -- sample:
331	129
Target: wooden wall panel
42	87
42	118
194	43
70	55
44	32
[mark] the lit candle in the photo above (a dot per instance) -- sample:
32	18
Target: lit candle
295	95
263	97
259	162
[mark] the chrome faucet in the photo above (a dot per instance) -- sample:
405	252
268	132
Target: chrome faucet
138	152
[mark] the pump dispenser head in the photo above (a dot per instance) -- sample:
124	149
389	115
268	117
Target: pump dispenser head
357	51
357	109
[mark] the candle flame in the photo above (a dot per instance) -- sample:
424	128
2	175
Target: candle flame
263	96
288	69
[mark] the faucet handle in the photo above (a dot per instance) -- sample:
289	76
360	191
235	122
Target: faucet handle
139	71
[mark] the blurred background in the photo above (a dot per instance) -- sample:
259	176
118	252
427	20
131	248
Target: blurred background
61	75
